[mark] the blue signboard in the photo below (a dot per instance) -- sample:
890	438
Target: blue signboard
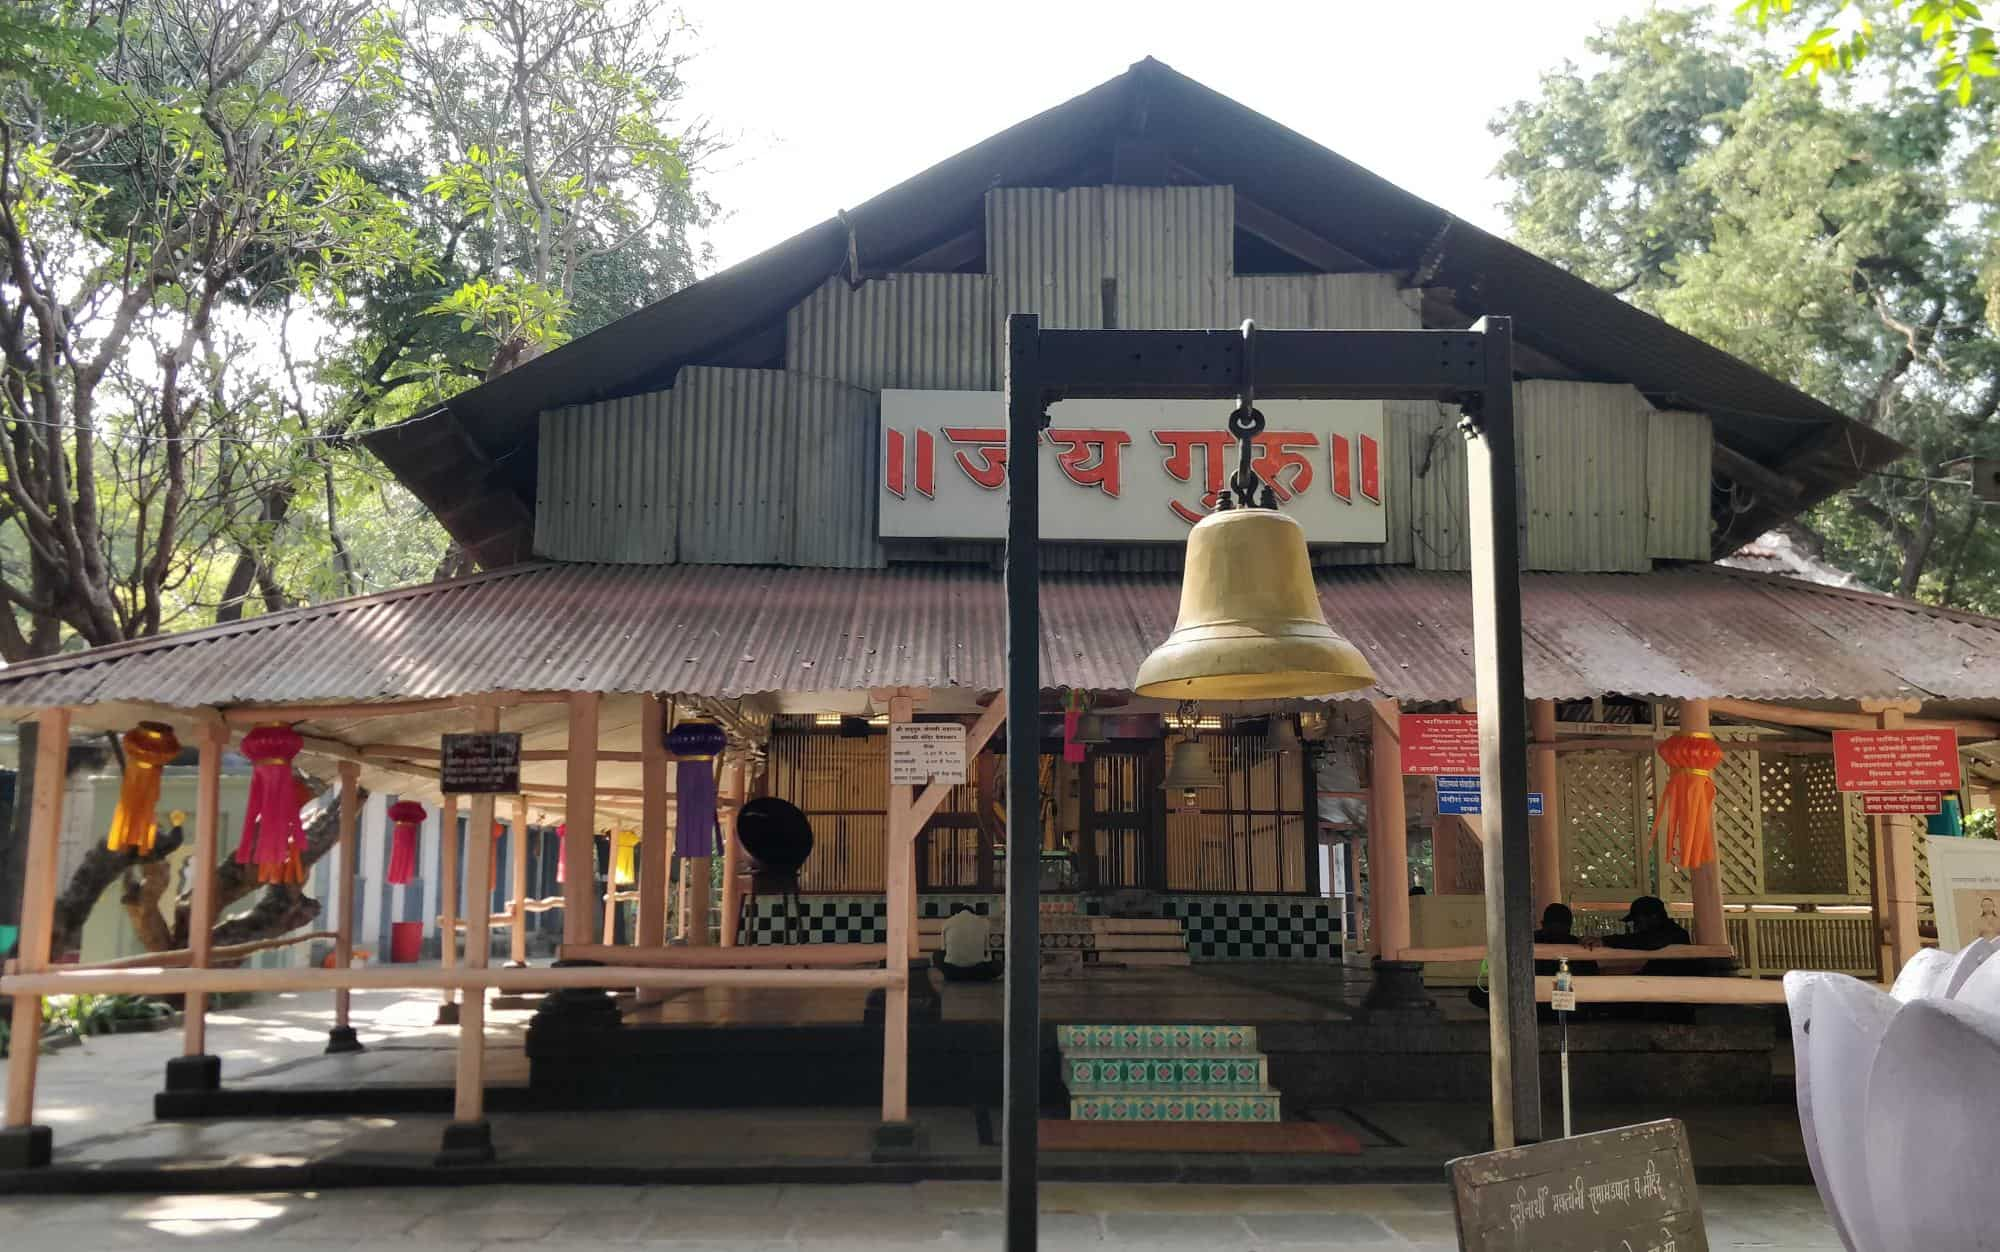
1458	796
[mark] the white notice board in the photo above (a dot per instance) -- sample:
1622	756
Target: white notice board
923	752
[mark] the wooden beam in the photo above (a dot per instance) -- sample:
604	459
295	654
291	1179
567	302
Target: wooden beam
976	739
1577	952
1897	837
1781	489
411	752
899	854
179	958
1822	719
38	904
655	853
308	711
580	817
422	978
349	845
756	956
1660	989
732	859
1545	776
449	881
201	871
1285	235
1388	837
469	1086
517	908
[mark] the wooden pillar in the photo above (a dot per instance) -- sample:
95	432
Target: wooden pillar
580	815
22	1143
1706	882
1895	839
897	885
1444	856
449	881
469	1097
655	853
732	856
1545	776
341	1038
517	856
201	874
1388	838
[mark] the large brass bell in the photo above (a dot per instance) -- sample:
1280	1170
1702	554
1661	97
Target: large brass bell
1250	625
1189	767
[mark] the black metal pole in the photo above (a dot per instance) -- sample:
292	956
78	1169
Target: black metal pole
1024	801
1503	743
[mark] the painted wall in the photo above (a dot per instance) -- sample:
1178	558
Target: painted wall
778	466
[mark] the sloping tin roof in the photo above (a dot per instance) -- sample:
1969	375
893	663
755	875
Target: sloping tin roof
732	630
483	498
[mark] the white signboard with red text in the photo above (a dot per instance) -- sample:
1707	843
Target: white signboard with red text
1129	471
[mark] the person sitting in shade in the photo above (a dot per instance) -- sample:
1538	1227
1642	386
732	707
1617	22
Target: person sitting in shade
964	956
1652	928
1559	926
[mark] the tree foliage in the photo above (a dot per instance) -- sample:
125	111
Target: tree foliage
1841	236
236	233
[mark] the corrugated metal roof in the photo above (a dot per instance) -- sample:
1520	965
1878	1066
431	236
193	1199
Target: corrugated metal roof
734	630
1216	139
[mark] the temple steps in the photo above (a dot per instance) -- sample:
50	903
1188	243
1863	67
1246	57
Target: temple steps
1166	1073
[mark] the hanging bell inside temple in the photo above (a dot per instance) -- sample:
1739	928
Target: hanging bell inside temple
1188	767
1090	729
1250	625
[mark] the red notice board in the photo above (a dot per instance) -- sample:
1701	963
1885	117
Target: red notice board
1440	743
1895	760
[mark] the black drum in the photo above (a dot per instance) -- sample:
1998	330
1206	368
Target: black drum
776	835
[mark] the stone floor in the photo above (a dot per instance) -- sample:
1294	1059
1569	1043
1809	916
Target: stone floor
880	1218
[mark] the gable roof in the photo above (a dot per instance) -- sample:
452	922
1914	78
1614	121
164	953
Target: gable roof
473	461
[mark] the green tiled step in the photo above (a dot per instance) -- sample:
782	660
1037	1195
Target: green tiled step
1167	1107
1110	1073
1158	1040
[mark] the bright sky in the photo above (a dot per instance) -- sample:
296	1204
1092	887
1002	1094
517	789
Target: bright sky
832	103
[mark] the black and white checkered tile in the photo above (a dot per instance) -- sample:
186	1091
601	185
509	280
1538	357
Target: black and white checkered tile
1259	928
1218	928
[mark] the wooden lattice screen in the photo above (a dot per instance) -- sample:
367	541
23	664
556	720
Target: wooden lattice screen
1607	799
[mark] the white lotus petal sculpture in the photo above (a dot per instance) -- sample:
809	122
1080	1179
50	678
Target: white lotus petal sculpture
1899	1097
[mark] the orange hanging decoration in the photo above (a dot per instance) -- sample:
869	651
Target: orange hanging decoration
149	748
1687	806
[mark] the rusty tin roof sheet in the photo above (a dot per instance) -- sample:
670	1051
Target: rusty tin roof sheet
730	631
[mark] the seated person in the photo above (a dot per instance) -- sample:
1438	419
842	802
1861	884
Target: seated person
1652	929
964	956
1559	926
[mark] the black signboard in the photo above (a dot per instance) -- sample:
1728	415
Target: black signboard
1625	1190
480	764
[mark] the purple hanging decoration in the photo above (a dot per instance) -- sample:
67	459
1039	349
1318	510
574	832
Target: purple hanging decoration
697	744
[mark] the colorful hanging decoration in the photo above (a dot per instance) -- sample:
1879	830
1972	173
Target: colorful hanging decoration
1074	705
1687	806
697	744
407	816
149	748
493	858
272	837
625	857
562	852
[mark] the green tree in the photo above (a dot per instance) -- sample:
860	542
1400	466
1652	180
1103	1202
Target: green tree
1837	36
1837	236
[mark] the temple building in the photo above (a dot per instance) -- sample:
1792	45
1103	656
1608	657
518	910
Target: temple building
772	504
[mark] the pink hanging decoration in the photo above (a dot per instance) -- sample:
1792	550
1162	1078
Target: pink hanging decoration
272	837
562	851
407	815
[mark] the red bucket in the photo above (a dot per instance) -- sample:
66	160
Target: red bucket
406	942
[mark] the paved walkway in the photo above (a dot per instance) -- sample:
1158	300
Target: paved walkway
878	1218
98	1099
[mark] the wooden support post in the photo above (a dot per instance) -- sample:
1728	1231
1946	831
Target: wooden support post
517	856
449	880
732	857
896	999
1545	776
468	1137
580	815
1444	856
1895	837
1705	883
201	874
655	853
22	1143
1388	837
342	1037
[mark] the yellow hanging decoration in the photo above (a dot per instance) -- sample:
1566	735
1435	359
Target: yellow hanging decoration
149	748
625	859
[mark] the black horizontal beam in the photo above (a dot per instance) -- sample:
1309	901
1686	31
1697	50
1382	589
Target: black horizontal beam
1291	364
